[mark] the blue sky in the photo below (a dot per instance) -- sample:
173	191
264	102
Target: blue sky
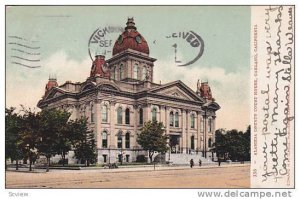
59	35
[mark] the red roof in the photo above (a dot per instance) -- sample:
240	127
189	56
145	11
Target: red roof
51	83
131	39
97	67
205	91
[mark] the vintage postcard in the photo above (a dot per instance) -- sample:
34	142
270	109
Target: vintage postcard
150	97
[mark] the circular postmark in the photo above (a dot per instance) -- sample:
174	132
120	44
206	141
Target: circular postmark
102	40
188	47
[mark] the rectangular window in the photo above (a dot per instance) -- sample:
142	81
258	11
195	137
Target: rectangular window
171	119
127	141
176	120
120	157
104	113
192	121
127	116
104	158
192	142
119	142
104	143
119	116
202	125
141	116
210	125
104	139
154	114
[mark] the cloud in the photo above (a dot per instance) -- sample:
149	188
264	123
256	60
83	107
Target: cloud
27	86
231	90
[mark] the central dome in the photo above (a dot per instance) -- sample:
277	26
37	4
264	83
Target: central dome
131	39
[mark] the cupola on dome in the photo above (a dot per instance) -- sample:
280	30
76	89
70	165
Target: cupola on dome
131	39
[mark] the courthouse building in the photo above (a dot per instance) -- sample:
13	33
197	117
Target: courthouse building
120	95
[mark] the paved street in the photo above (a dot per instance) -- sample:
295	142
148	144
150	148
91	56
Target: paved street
226	176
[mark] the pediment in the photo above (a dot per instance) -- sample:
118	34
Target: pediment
88	86
175	92
109	87
177	89
212	105
54	92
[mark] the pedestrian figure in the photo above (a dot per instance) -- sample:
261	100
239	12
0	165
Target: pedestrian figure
200	163
219	161
191	163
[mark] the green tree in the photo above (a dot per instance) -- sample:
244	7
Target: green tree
220	145
29	134
63	136
173	141
152	138
84	142
233	144
52	127
12	128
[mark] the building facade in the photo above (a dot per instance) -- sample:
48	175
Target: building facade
120	95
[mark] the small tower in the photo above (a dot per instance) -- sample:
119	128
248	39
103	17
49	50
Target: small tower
130	24
99	67
52	82
203	89
130	56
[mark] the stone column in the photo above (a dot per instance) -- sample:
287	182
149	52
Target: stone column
74	112
198	131
163	115
148	112
112	135
184	131
159	116
167	122
135	125
181	143
135	118
98	121
213	134
214	128
205	141
188	122
97	127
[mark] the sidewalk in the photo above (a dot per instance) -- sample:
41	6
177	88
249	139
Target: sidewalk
163	167
133	168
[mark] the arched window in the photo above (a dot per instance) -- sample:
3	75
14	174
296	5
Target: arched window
141	116
127	140
121	72
119	140
144	71
104	139
127	116
135	71
192	121
119	115
176	119
154	114
209	142
192	142
104	113
171	118
92	113
209	125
